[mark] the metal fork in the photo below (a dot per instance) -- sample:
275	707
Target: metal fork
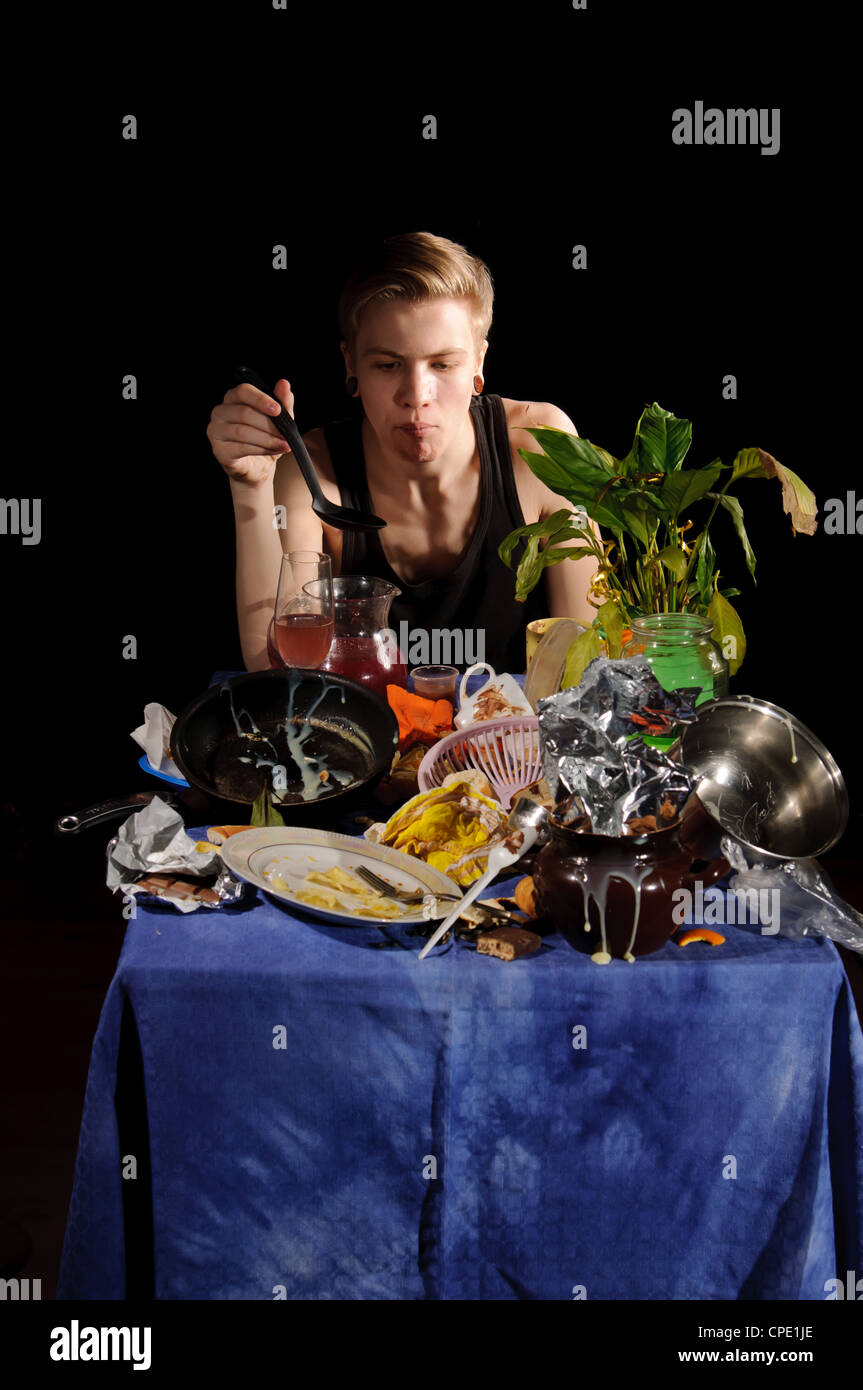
400	894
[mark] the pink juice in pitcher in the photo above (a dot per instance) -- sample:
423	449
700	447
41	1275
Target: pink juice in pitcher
366	661
364	648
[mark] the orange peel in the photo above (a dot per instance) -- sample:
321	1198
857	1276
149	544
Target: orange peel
712	938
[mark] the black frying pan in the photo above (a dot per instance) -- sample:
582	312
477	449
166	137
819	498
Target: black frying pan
355	739
232	740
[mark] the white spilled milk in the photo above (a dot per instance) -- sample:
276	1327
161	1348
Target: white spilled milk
634	876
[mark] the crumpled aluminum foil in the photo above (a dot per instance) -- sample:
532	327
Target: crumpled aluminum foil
591	759
154	840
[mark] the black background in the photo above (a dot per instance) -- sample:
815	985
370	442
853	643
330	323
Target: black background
304	127
258	127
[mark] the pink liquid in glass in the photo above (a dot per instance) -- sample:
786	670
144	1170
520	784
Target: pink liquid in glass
302	639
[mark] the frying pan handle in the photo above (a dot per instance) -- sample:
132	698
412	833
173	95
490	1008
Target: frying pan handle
288	429
109	810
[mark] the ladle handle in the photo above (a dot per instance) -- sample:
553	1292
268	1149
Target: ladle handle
287	428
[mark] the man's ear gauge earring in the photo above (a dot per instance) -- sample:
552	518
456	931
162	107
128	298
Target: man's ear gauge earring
477	389
351	385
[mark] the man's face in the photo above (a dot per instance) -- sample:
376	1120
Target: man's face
415	365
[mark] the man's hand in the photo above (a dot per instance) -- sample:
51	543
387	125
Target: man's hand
243	435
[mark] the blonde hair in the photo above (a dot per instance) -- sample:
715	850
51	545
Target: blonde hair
417	267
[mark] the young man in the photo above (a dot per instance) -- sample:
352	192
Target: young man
431	455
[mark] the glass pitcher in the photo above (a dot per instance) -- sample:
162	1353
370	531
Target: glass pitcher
364	648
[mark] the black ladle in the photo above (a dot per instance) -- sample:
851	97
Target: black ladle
342	518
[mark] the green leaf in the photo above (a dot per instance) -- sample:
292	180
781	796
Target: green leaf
264	812
529	570
612	622
552	555
584	464
559	478
732	505
729	593
674	560
636	520
533	561
661	440
508	544
680	490
548	527
566	533
608	459
581	486
605	513
705	570
747	464
727	631
586	646
654	500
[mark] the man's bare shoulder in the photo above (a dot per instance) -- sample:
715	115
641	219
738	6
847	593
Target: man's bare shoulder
524	415
537	500
316	443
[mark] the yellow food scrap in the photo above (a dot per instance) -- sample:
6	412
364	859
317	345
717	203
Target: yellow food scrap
338	878
347	893
382	908
329	901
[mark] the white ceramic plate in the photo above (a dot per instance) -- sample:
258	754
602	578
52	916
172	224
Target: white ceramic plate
295	852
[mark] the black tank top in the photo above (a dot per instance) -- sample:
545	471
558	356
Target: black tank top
478	596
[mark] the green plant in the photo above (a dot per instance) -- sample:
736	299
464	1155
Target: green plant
648	565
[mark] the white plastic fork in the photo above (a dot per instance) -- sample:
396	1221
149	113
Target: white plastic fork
522	828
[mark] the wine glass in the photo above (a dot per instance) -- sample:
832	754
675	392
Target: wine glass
301	630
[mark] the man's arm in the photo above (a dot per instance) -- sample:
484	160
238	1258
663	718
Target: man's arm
566	583
262	535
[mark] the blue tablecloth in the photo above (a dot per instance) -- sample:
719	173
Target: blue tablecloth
438	1130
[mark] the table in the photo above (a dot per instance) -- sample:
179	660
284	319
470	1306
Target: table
436	1130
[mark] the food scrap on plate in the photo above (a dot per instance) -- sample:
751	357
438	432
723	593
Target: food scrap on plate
337	890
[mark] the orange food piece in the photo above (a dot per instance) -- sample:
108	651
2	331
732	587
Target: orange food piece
219	833
700	934
525	896
420	720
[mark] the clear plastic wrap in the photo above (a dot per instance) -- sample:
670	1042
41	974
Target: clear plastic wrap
809	903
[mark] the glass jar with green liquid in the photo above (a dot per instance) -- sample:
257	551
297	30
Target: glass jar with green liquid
679	649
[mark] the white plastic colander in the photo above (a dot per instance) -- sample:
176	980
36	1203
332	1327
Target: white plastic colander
506	751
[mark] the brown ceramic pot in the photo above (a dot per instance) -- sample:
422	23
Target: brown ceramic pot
612	896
